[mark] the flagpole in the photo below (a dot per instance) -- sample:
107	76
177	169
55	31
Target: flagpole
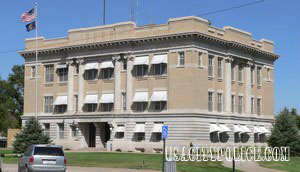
36	59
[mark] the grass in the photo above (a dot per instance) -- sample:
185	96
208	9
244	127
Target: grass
293	165
5	151
127	161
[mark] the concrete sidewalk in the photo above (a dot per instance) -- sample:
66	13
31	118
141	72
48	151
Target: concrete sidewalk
14	168
248	166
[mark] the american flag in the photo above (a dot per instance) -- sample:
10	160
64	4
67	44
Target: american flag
28	16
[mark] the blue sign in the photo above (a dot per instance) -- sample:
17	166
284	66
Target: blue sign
165	130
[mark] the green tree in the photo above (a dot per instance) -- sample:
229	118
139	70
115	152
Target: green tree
285	132
296	116
32	133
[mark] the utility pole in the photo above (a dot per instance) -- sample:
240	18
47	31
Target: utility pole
104	11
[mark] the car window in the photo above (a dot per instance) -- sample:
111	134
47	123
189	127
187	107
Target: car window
49	151
28	150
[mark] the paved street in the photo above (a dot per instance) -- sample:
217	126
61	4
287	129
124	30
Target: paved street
14	168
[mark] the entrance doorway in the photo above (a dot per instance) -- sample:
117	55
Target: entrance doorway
104	133
92	135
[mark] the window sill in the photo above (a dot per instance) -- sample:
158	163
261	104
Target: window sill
123	71
32	78
62	83
181	66
108	80
241	83
160	76
76	74
259	86
232	81
48	84
92	81
220	79
142	77
210	77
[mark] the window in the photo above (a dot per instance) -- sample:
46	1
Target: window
157	137
220	60
244	137
210	101
220	97
61	131
141	70
124	100
124	66
252	105
62	74
77	69
160	69
139	136
259	76
259	107
48	104
181	58
232	103
269	74
61	108
106	107
199	58
33	71
159	106
252	75
120	135
108	73
49	73
74	132
232	71
240	73
237	138
210	66
91	74
90	107
240	104
76	103
47	129
140	106
223	137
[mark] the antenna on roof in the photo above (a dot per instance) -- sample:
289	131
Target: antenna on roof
104	11
133	14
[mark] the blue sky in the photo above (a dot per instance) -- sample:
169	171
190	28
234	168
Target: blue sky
276	20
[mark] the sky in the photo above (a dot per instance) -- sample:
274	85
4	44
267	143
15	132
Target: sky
276	20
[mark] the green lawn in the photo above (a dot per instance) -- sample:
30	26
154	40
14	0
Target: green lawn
5	151
127	160
292	166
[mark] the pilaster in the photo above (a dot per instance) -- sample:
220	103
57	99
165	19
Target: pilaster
248	88
117	77
70	109
81	85
129	83
228	62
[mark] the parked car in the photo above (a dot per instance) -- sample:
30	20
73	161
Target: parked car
1	162
43	158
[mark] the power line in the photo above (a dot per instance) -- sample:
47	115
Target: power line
201	15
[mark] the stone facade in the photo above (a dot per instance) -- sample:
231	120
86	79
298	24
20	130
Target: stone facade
108	87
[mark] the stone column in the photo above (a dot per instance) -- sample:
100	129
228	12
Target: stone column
129	83
228	62
70	86
81	85
248	88
117	77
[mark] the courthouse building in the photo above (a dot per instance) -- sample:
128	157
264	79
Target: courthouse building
113	87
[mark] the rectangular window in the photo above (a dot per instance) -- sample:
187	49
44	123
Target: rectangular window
140	106
61	108
47	129
258	107
33	71
74	132
124	100
240	104
107	107
159	106
90	107
48	104
210	101
141	70
49	73
240	73
232	71
61	131
269	74
181	58
91	74
252	105
77	69
108	73
160	69
220	102
76	103
124	66
220	60
259	76
210	65
232	103
63	75
120	135
157	137
200	58
139	136
252	75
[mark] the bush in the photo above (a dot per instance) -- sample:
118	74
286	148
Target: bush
32	133
118	150
285	132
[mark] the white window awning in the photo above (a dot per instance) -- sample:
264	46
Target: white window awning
144	60
224	128
139	128
214	128
256	130
140	97
61	100
157	128
120	129
159	96
107	98
61	66
107	64
264	130
91	99
237	129
157	59
90	66
245	129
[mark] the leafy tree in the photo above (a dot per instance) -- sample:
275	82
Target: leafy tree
285	132
32	133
